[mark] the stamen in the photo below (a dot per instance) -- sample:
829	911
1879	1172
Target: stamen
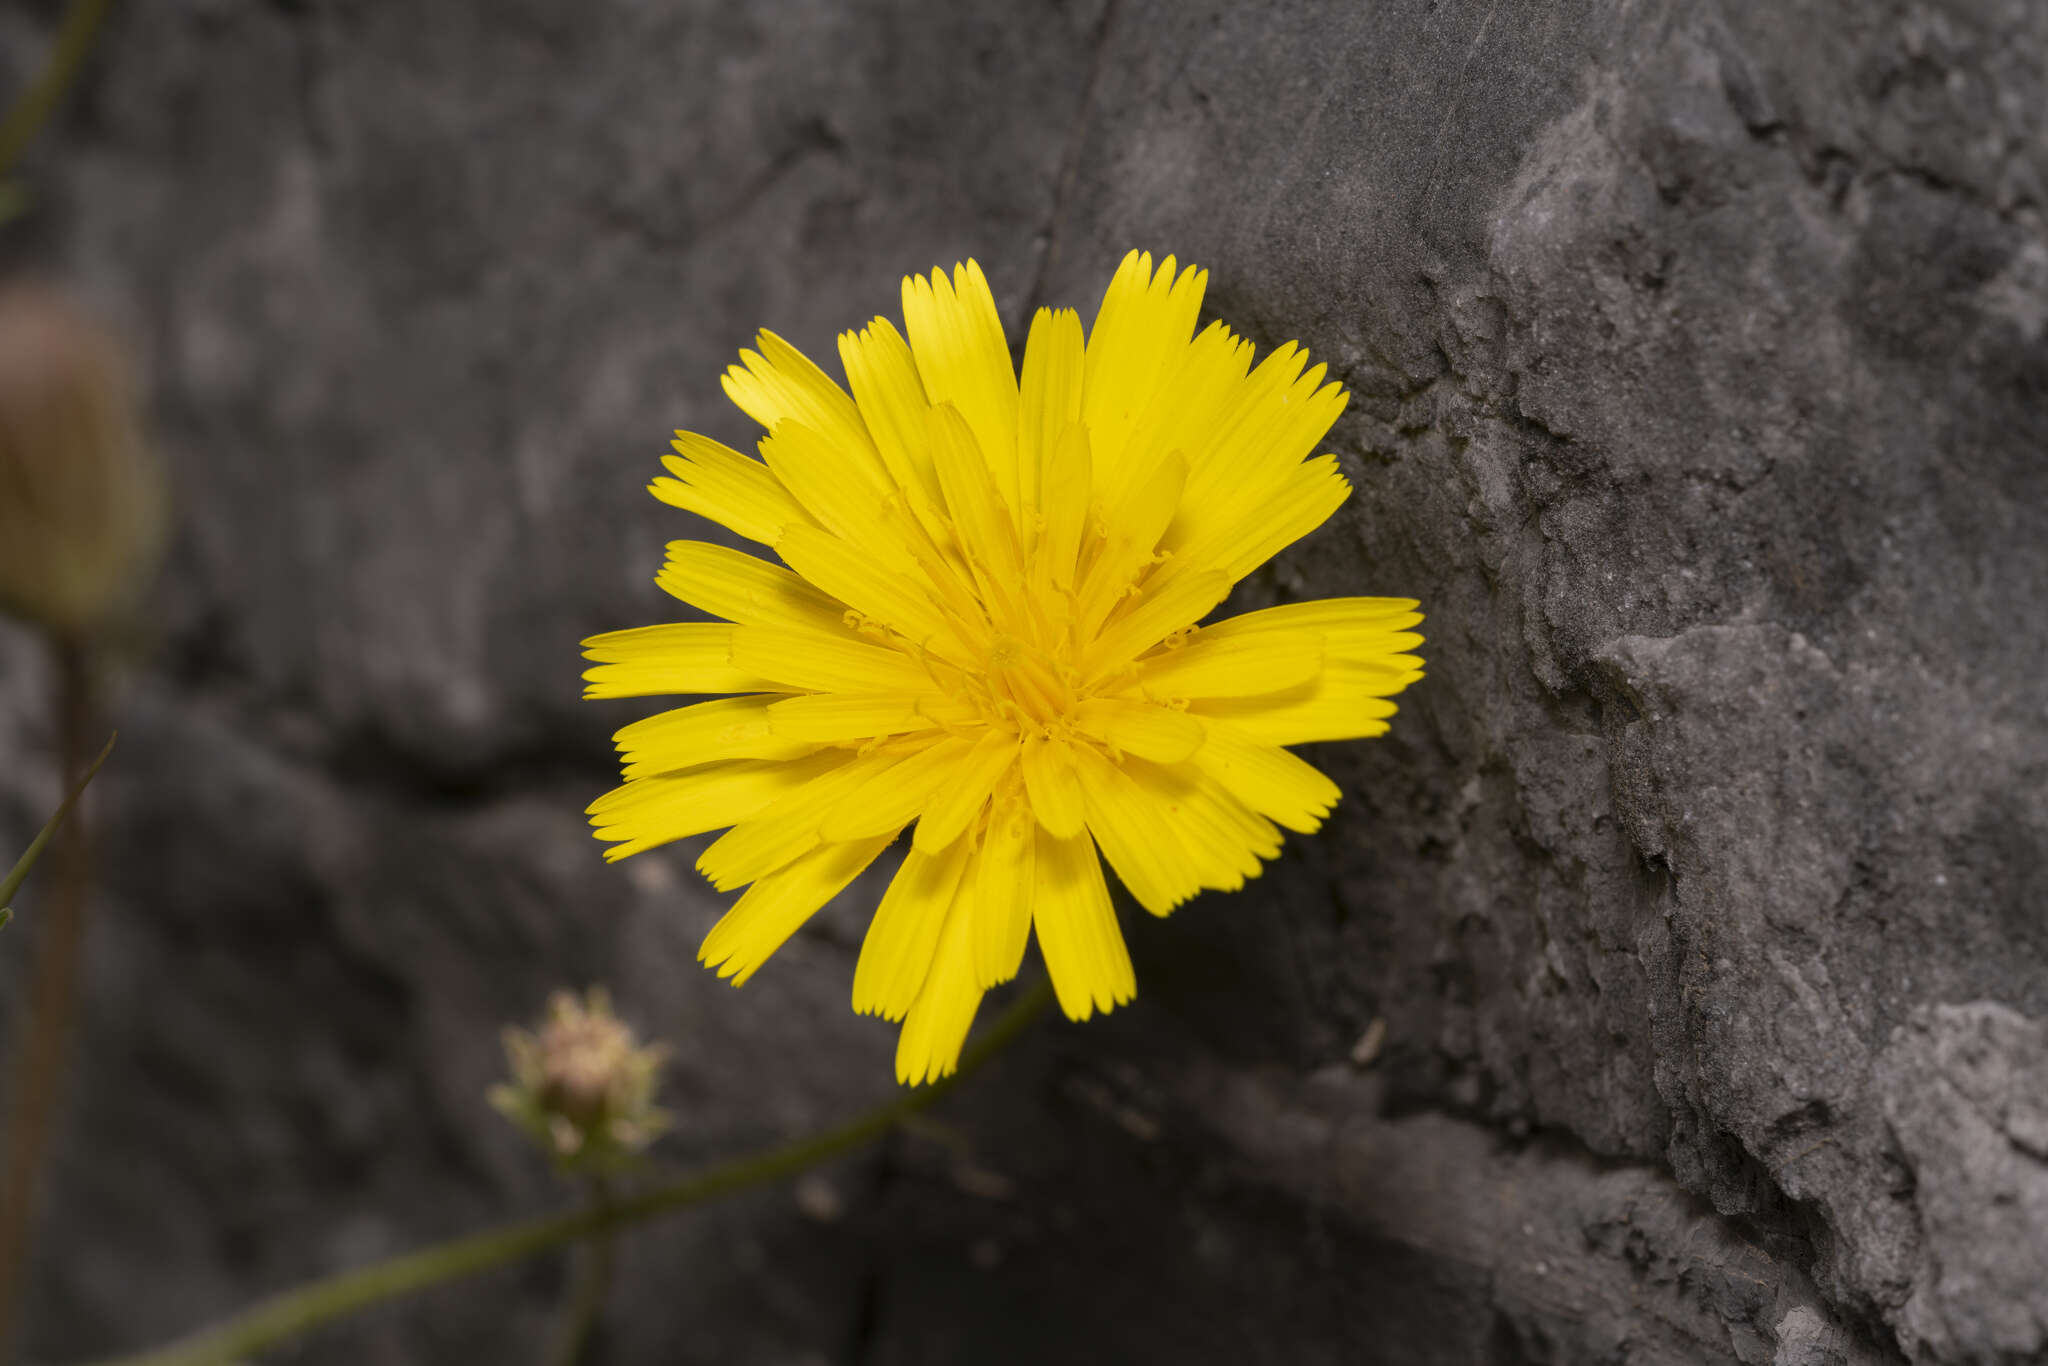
1029	678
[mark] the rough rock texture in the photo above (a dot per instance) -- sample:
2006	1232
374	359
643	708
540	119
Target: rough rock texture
1701	392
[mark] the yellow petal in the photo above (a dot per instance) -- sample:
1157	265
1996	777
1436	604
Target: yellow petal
956	804
732	489
1049	402
1303	502
1354	628
1003	884
1148	502
1077	930
936	1027
1232	667
892	401
895	599
1140	332
774	908
986	527
648	812
1158	733
897	954
780	385
709	732
1380	677
1068	498
1247	450
745	588
1224	841
681	657
1194	398
1171	601
893	799
957	337
1134	523
1321	709
1136	837
1267	778
837	493
831	718
815	661
792	824
1180	816
1048	767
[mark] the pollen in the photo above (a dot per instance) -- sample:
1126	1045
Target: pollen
985	621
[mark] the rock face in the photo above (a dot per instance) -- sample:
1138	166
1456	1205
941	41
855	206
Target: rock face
1700	392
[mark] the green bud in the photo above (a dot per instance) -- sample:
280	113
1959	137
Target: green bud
582	1088
82	511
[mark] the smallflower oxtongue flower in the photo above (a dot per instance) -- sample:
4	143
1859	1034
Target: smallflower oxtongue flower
984	621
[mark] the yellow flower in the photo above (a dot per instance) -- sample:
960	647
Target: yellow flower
987	625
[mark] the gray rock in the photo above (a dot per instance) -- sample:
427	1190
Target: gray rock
1700	391
1965	1089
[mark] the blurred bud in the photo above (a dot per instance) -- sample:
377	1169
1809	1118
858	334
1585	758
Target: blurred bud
581	1087
81	502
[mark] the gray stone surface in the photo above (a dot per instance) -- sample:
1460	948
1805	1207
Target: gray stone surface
1701	393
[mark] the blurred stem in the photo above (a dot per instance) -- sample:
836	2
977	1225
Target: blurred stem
67	54
593	1284
45	1033
292	1313
10	886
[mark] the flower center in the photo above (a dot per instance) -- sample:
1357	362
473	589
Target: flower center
1031	681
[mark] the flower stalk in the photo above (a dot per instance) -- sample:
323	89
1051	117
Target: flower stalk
10	886
74	40
593	1284
295	1312
50	1019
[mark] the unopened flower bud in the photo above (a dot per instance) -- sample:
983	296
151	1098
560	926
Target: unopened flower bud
81	501
582	1087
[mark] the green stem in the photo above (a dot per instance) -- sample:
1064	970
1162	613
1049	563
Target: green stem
74	40
292	1313
12	884
593	1285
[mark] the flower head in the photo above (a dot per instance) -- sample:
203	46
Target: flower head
581	1087
984	621
81	501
